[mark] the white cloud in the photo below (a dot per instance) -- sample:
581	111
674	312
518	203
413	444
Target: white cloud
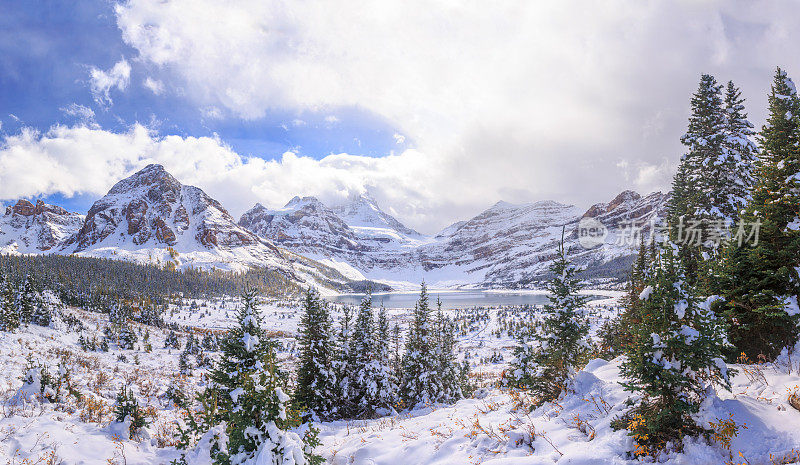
82	112
82	160
518	99
101	82
155	86
399	138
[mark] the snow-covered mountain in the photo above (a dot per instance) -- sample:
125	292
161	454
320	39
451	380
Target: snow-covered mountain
362	214
151	217
506	245
29	228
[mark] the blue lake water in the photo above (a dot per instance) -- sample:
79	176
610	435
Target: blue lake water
450	299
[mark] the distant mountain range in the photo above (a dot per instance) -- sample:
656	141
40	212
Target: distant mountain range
151	217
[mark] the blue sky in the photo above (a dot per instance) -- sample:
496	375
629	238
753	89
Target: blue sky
47	49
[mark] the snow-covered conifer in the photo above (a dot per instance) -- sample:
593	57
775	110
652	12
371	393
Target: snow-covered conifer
316	379
548	356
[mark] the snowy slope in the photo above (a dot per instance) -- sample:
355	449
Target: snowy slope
29	228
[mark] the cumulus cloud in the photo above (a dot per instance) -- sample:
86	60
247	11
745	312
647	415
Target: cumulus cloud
83	160
102	82
521	99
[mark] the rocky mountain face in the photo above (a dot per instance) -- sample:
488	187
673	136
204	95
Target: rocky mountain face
506	245
29	228
360	236
151	216
303	225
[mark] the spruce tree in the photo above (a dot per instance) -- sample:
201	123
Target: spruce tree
250	392
450	373
697	189
385	374
9	314
760	280
27	300
739	156
676	355
419	385
316	379
344	365
547	366
364	391
127	338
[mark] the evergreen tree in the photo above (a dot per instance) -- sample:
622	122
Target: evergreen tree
546	367
9	315
251	398
450	373
209	342
739	155
676	355
43	313
385	373
316	379
27	299
344	365
419	385
127	338
127	408
697	188
185	363
365	368
171	341
760	280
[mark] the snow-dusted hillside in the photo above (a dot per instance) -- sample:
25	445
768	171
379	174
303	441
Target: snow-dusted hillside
29	228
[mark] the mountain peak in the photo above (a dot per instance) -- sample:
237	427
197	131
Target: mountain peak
362	211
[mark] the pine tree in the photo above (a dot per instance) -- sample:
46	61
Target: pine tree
127	338
760	280
127	408
316	379
419	385
449	372
26	301
697	189
385	373
251	398
739	155
362	346
171	341
185	363
344	366
9	314
676	355
546	367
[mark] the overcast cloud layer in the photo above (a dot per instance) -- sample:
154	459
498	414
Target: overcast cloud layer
512	100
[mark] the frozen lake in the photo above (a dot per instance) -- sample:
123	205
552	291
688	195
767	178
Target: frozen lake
450	299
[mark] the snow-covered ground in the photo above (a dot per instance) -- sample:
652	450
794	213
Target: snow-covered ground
492	427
